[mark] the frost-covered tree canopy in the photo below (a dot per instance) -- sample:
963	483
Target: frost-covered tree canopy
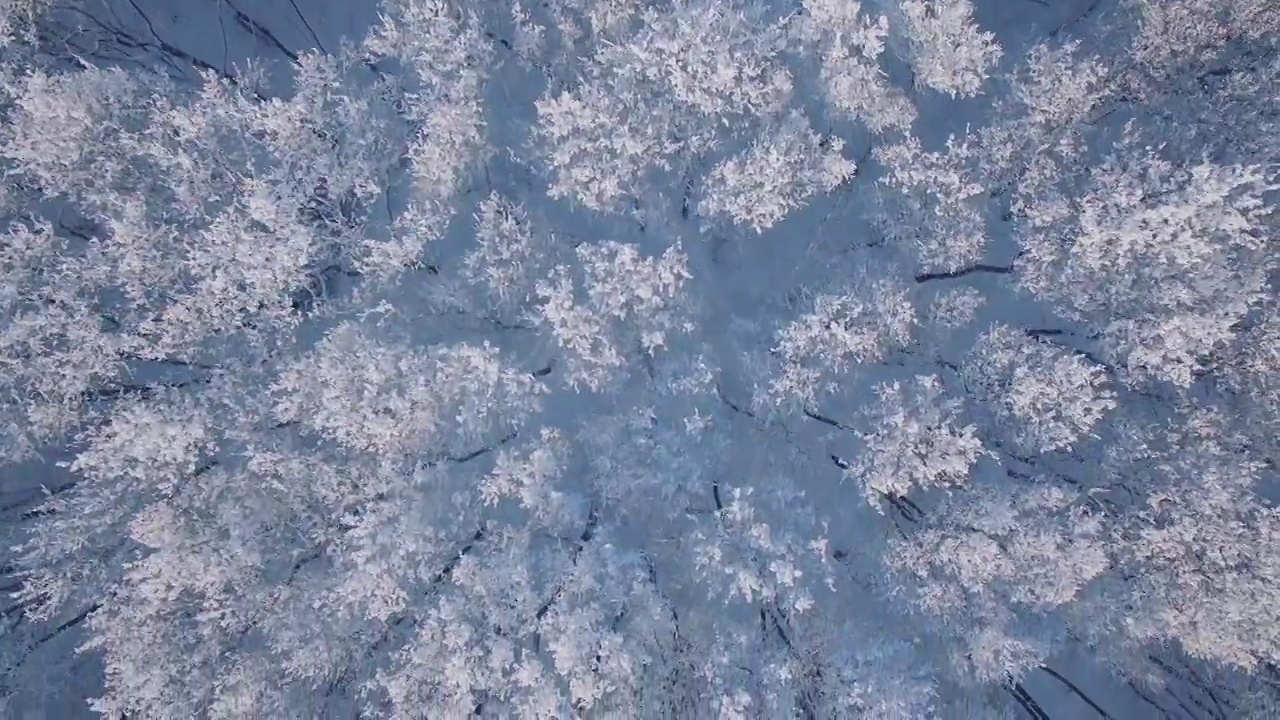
607	358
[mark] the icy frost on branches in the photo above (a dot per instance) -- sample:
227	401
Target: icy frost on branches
849	44
1049	397
787	167
841	332
989	552
1164	259
279	505
948	52
632	303
394	401
915	441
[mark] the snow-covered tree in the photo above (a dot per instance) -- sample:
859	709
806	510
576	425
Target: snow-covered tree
842	332
631	305
848	42
948	52
616	358
1049	397
1171	256
982	563
915	441
778	174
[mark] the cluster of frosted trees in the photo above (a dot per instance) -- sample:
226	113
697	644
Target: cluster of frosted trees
680	358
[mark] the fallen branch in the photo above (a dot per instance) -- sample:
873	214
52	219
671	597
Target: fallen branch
814	415
953	274
1079	693
1028	703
